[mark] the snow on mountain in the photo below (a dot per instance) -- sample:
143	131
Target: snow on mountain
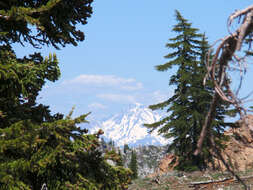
127	127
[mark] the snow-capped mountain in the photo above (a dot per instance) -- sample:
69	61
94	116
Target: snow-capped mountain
127	127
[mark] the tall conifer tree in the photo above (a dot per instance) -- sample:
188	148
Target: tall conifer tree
38	149
189	104
133	164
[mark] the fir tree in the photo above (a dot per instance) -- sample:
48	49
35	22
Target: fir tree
191	100
126	148
120	162
58	154
21	80
133	165
36	147
103	144
55	21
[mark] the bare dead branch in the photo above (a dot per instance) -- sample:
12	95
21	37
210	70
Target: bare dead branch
238	13
208	120
242	30
223	55
208	65
244	98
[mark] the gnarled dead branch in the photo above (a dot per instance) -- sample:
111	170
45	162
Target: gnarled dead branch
217	71
224	53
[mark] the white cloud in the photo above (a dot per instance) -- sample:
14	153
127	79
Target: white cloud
136	86
101	93
96	105
106	81
159	96
117	97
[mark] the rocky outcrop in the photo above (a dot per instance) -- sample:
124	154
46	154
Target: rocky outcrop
166	164
238	152
148	158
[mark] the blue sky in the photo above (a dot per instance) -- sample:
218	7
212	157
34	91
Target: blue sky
125	39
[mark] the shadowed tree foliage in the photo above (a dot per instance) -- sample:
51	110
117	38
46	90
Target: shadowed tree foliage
125	148
37	147
133	165
21	80
55	21
191	99
56	153
120	162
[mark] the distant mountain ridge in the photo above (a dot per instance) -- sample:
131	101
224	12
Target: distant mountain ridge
127	127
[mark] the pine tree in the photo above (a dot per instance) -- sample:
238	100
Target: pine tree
133	165
126	148
189	104
37	147
120	161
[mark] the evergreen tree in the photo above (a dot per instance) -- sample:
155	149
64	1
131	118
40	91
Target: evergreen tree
191	100
103	144
42	22
58	154
120	162
126	148
21	80
54	21
111	144
133	165
36	147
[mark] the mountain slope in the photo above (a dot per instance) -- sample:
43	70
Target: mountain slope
127	127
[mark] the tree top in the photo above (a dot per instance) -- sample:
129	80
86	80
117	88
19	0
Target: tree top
43	22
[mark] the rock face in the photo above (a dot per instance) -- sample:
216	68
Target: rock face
238	152
148	158
165	165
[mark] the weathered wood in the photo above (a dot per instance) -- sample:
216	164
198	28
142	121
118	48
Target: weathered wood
224	181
